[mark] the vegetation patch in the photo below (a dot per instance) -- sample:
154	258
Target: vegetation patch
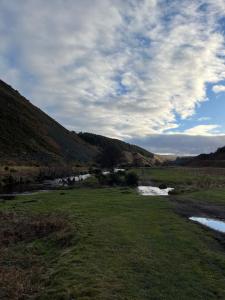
184	180
23	237
120	178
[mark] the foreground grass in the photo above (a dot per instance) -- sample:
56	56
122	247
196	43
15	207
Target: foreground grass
124	246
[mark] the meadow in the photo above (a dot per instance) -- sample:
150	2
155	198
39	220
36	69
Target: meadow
112	243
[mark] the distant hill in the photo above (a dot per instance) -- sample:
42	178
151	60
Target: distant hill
133	155
216	159
28	135
172	160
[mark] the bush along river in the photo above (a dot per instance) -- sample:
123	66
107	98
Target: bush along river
13	188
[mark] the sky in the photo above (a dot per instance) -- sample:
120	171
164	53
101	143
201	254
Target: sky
150	72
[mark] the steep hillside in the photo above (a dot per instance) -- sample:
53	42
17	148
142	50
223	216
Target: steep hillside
133	155
28	135
216	159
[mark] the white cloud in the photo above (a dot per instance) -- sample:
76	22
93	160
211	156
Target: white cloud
121	68
204	119
219	88
209	129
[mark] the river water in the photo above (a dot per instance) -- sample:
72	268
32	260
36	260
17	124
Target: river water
153	191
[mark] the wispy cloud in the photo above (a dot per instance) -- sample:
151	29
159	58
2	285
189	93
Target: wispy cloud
209	129
121	68
219	88
204	119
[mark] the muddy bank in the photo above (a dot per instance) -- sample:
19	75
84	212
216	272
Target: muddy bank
187	208
21	189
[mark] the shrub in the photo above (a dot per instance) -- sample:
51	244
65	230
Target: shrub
97	171
131	179
119	179
102	179
115	179
111	156
163	186
111	179
9	180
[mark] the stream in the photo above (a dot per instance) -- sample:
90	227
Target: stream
153	191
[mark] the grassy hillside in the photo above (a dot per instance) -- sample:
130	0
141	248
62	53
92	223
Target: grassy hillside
216	159
103	142
133	155
29	135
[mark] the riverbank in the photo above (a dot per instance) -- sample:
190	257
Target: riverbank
23	179
11	176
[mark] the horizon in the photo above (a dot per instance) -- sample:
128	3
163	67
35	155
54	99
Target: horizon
148	72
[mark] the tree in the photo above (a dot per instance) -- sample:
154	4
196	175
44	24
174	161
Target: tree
111	156
131	179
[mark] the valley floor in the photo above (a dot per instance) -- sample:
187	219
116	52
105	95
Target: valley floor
112	243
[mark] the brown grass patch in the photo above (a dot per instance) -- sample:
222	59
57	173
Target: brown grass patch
21	228
22	268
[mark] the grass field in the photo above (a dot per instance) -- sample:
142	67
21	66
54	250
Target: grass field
111	243
187	179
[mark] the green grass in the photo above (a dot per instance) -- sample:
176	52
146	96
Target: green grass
125	246
169	175
209	196
184	179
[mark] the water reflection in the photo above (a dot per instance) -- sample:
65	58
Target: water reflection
153	191
45	186
66	180
211	223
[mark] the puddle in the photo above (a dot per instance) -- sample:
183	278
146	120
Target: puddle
211	223
105	172
153	191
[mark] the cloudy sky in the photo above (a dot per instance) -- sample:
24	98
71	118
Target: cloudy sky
146	71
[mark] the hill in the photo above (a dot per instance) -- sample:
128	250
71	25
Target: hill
28	135
133	155
216	159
